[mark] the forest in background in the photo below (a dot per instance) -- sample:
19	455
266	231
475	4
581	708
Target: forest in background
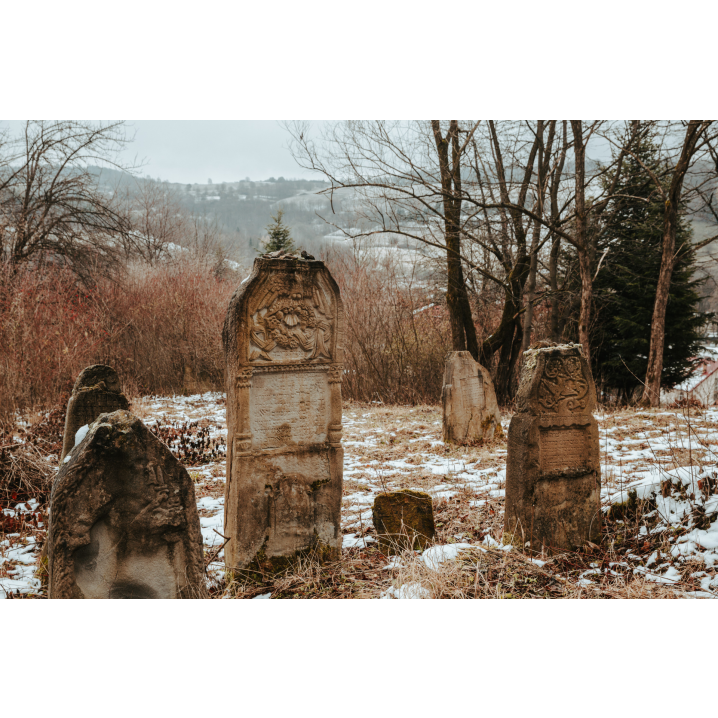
485	236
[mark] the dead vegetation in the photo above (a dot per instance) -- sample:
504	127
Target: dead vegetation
616	567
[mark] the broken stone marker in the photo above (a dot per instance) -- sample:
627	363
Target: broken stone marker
403	520
553	474
471	413
124	521
96	391
283	341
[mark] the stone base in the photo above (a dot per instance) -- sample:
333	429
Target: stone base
281	504
552	483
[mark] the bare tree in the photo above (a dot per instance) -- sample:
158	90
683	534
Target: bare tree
406	180
52	208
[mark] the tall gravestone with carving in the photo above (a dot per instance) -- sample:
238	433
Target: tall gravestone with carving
470	410
553	473
97	391
124	521
283	340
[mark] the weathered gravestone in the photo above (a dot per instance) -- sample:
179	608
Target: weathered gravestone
283	340
96	391
470	411
403	520
124	521
553	473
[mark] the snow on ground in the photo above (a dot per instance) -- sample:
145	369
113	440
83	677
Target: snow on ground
666	456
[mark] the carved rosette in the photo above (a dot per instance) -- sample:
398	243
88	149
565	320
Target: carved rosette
336	373
244	378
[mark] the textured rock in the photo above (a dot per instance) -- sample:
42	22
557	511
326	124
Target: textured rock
124	521
470	411
553	473
96	391
403	520
283	339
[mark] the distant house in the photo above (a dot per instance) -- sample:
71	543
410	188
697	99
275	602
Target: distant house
702	385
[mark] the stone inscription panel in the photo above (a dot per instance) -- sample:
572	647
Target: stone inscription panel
472	392
89	405
563	449
289	408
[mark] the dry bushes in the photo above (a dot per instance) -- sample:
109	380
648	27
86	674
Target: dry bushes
160	327
166	328
395	342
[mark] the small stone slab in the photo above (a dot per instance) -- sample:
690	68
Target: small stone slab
553	472
403	520
97	391
470	410
124	521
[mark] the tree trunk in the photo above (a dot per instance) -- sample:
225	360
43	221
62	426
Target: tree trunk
579	149
530	292
553	283
652	387
584	262
463	331
505	339
455	280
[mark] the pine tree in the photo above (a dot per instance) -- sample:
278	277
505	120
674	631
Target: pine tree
279	236
625	288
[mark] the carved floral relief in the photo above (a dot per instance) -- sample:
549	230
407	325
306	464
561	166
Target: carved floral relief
563	383
293	320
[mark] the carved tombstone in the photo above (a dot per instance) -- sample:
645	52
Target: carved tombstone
403	520
96	391
124	521
283	340
469	402
553	473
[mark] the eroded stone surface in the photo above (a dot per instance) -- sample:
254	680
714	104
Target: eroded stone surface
283	339
97	391
403	520
471	413
553	473
124	521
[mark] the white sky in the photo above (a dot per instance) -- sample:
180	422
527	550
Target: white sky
197	150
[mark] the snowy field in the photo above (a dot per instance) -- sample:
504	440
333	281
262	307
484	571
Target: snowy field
659	492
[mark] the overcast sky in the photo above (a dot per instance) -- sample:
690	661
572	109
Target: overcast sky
220	150
198	150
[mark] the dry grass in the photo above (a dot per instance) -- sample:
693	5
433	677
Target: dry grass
376	435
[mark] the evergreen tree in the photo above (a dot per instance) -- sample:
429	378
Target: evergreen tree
625	288
279	236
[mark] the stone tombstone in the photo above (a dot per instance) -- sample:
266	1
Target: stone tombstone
283	340
470	410
403	520
96	391
553	472
124	521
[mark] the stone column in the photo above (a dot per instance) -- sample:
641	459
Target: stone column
553	472
283	339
